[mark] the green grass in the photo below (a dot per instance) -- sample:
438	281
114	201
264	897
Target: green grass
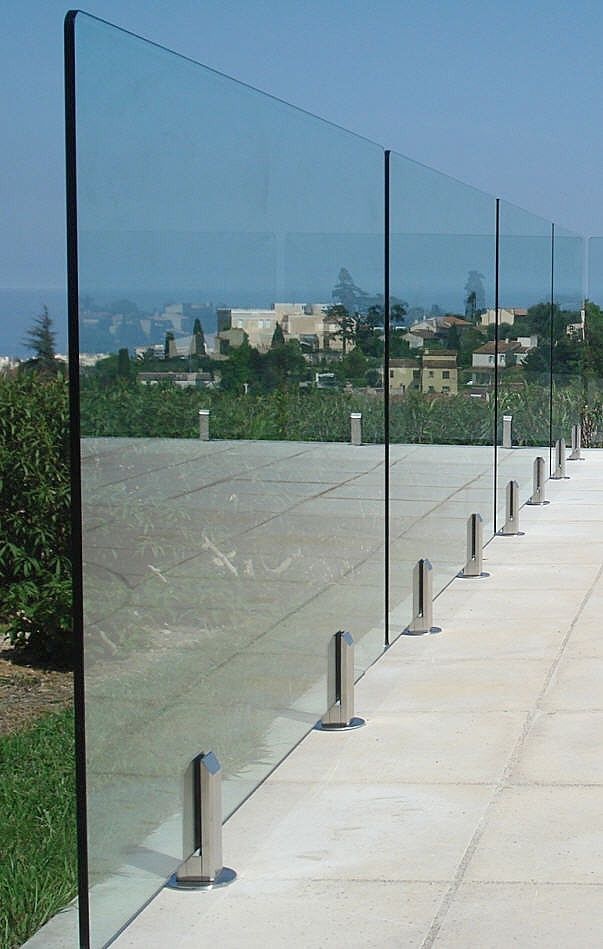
37	829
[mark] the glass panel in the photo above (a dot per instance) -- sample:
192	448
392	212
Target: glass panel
230	260
595	270
524	351
592	408
441	410
568	333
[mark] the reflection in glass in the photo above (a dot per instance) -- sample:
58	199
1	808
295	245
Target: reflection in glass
441	409
569	358
592	365
230	260
524	349
232	319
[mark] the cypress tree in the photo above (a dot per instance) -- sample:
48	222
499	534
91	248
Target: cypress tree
198	339
123	364
41	340
278	337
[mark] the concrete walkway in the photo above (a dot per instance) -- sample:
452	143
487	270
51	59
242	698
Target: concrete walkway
469	811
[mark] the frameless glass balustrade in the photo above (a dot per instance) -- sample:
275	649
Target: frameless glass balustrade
441	410
592	365
569	359
231	316
524	349
232	328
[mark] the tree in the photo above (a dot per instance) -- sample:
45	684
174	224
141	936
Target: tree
453	338
243	367
123	364
346	324
593	338
169	339
348	294
278	337
568	357
283	365
41	340
538	361
471	339
353	368
374	318
475	295
505	331
398	347
198	348
370	330
397	313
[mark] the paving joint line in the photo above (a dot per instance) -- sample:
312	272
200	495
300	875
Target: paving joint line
440	916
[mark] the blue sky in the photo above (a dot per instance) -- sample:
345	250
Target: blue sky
503	96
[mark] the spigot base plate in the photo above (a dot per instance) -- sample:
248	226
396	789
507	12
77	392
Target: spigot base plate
422	632
353	723
226	876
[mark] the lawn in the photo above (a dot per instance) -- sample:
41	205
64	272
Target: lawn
37	832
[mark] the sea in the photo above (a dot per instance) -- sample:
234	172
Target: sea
20	307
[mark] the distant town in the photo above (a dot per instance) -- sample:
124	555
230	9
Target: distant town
336	344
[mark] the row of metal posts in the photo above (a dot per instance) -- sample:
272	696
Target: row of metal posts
356	432
355	426
203	790
422	619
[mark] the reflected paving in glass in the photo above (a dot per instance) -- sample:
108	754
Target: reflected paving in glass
441	405
230	262
237	373
525	283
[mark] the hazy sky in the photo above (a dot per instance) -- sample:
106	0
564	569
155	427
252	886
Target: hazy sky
503	95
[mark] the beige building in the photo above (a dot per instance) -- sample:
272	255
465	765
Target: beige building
313	329
259	325
227	340
404	374
419	337
306	322
439	373
505	315
484	357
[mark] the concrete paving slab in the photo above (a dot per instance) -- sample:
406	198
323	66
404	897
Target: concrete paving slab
355	831
542	835
459	786
416	748
366	914
523	915
562	748
432	685
486	639
576	685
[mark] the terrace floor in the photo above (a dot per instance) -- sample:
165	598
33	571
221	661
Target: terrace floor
469	810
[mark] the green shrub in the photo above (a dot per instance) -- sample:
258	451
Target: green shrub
128	409
35	576
35	566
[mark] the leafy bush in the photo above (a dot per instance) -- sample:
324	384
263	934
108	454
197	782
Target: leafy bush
35	581
128	409
35	566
